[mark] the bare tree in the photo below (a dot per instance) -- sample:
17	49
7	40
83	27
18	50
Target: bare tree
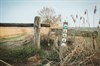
48	16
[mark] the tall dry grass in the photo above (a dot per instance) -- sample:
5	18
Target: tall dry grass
80	53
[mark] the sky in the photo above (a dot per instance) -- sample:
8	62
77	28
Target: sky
24	11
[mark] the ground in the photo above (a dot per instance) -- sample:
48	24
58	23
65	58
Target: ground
19	41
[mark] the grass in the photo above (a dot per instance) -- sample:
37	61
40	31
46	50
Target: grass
74	57
20	54
17	54
12	38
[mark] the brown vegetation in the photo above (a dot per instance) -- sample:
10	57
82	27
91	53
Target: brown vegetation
11	31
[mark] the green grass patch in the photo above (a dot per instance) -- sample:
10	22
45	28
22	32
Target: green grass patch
17	54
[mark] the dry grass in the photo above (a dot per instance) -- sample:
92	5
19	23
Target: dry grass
81	53
11	31
8	31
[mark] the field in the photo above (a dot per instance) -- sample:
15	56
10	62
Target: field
9	31
16	47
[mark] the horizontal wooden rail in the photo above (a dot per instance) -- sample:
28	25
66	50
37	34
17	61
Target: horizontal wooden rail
21	25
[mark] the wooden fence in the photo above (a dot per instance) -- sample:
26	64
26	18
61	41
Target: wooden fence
37	25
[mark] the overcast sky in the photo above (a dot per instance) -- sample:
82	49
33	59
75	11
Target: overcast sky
24	11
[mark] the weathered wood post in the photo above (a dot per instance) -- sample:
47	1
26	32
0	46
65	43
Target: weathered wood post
56	42
63	43
94	37
37	32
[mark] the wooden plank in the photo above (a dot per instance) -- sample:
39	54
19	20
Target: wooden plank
21	25
45	25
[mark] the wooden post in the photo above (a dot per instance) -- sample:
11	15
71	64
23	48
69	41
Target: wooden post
37	32
56	42
63	43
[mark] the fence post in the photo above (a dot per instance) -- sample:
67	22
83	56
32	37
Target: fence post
63	43
37	32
